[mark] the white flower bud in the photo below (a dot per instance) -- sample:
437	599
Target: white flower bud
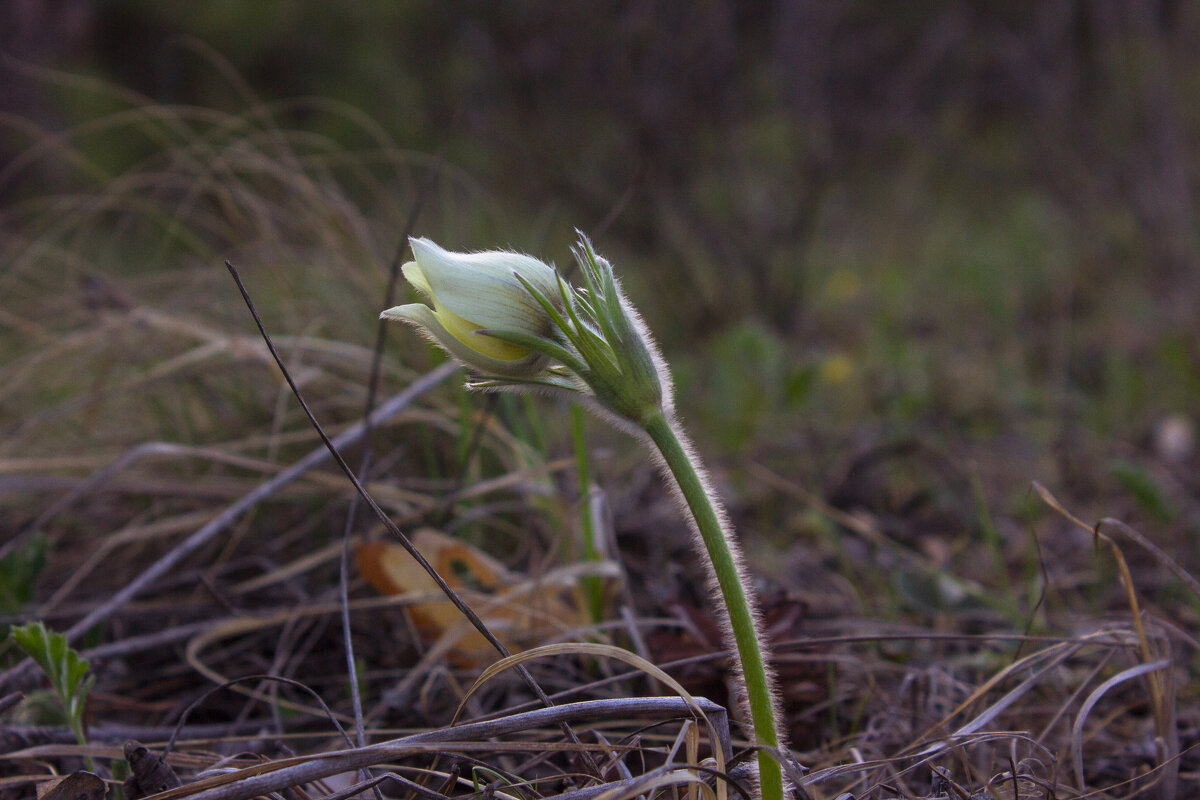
474	291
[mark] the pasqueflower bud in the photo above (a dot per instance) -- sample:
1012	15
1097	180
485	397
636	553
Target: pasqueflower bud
476	291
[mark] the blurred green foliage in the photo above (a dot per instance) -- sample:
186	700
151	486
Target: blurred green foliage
958	220
19	571
1142	486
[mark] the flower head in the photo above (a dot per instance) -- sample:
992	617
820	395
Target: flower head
471	292
518	324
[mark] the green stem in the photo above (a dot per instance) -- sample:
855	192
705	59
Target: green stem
593	587
77	729
733	590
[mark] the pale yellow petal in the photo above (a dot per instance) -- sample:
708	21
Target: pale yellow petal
425	320
416	276
464	331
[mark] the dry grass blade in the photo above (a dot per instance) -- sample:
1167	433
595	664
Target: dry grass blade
1086	709
388	777
647	784
282	774
1007	700
632	659
1052	656
639	786
1160	555
24	671
1154	680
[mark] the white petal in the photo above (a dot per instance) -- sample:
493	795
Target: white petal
481	286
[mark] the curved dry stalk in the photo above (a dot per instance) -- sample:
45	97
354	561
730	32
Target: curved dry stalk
21	674
275	776
1085	710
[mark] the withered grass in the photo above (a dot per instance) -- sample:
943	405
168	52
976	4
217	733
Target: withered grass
194	528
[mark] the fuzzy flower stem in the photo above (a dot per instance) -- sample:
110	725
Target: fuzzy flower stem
741	615
518	325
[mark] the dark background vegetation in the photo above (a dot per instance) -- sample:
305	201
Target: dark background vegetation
838	172
876	219
908	257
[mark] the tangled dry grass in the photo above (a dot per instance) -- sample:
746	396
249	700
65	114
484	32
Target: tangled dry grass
197	540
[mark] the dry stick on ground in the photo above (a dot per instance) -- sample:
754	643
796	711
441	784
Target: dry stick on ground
277	776
96	479
19	737
395	531
24	674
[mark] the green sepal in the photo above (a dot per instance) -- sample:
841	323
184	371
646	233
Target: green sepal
538	344
547	381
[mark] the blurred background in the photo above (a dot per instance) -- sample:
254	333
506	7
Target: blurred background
842	219
904	258
963	230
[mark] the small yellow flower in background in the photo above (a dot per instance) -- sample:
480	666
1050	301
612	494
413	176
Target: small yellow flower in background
474	291
837	369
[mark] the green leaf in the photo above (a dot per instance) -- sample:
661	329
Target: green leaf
66	669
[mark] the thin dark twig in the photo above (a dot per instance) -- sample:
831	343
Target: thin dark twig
277	678
360	731
392	528
389	296
24	674
364	468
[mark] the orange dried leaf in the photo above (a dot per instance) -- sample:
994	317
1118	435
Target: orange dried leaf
520	611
